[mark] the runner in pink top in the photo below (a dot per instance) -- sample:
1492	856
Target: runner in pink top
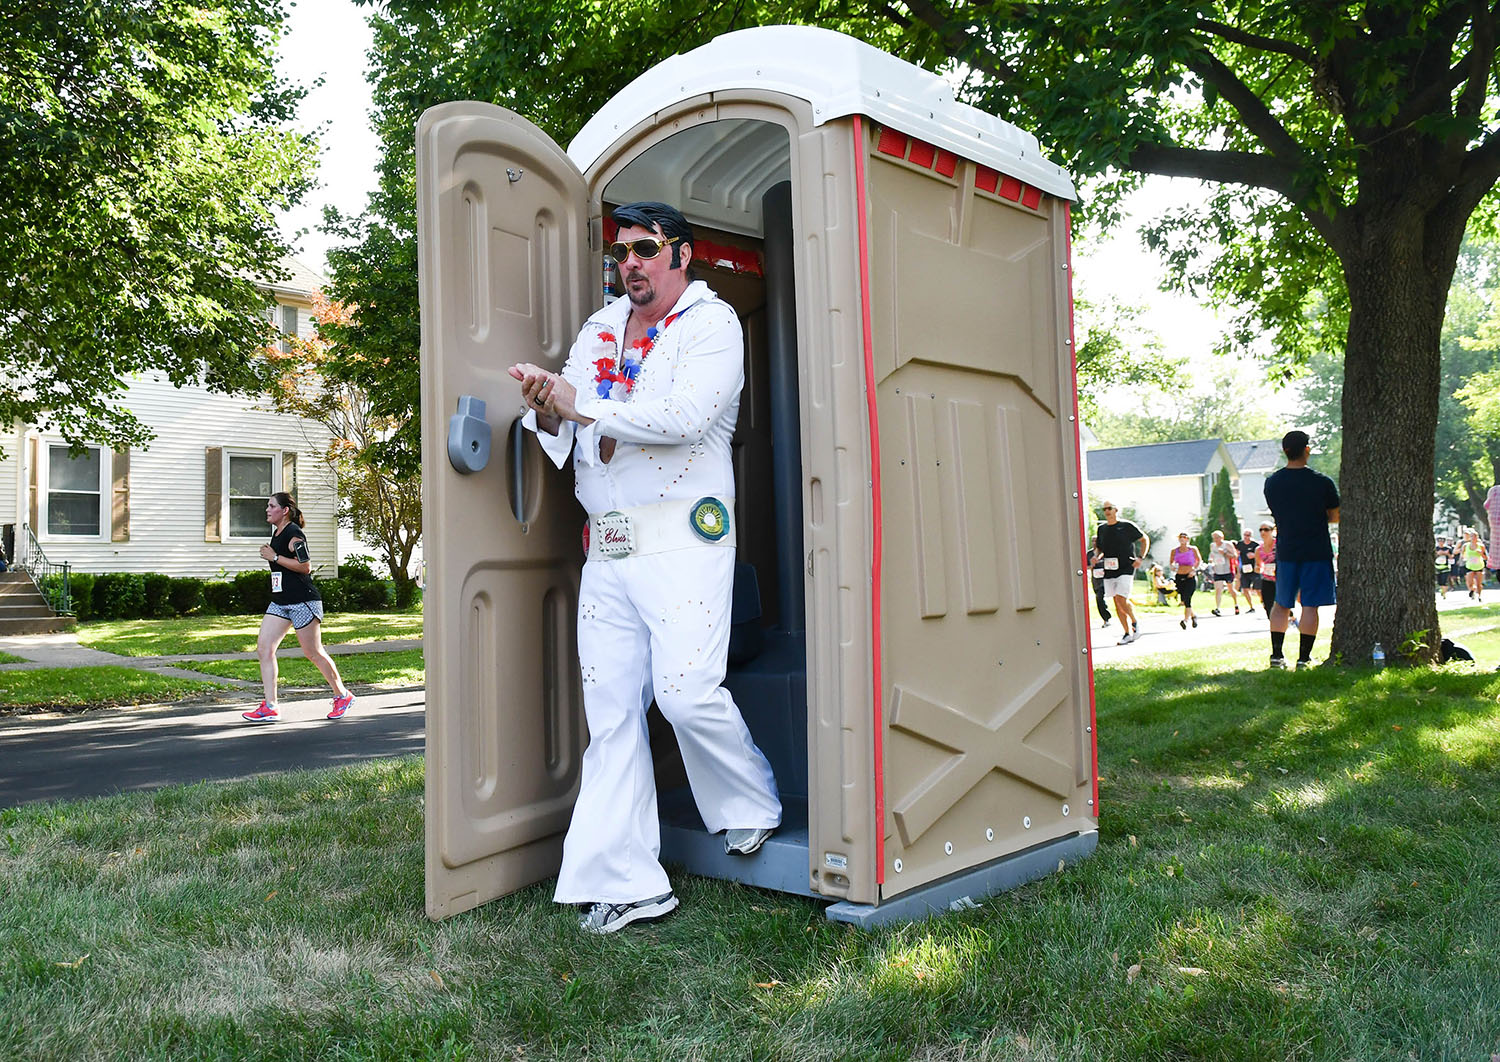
1186	560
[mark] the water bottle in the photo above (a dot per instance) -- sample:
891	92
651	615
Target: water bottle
612	289
1377	655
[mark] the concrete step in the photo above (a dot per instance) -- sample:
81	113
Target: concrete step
36	625
33	598
16	583
31	610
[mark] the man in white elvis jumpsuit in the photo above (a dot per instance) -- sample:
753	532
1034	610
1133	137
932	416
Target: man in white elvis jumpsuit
647	404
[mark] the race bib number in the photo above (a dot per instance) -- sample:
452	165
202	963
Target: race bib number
1111	564
1268	570
276	582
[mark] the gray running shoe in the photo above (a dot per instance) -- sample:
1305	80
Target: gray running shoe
612	917
745	842
1278	663
1303	665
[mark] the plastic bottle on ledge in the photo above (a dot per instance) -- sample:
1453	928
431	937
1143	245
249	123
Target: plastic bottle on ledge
1377	655
612	289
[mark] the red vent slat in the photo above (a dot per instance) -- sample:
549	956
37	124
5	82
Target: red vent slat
893	143
946	163
1010	188
986	179
1031	198
922	154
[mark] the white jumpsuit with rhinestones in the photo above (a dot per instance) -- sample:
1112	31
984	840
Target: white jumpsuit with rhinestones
656	624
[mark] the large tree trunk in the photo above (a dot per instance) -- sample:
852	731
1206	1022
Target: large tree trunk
1398	289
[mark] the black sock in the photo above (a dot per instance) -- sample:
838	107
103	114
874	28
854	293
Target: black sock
1305	653
1277	638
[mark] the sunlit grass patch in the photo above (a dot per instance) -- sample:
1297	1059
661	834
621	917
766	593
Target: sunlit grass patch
76	687
401	668
235	634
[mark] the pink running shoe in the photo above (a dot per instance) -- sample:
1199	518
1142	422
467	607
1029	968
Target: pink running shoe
266	713
341	705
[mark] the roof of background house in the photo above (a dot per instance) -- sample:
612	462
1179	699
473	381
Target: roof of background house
299	280
1188	458
1262	455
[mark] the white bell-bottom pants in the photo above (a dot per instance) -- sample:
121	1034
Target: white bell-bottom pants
656	624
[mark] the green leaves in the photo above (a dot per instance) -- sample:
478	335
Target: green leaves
145	162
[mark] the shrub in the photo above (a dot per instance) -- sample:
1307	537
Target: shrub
120	595
368	596
219	598
158	595
334	593
184	595
253	590
358	568
406	594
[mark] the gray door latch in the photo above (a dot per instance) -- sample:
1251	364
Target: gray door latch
468	436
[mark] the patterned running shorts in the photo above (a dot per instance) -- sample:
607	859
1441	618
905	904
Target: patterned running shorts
298	613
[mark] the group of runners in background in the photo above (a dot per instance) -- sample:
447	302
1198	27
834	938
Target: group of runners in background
1464	561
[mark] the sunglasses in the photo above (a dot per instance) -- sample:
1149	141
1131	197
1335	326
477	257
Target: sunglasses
645	248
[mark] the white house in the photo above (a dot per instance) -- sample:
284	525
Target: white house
1255	461
1167	485
190	502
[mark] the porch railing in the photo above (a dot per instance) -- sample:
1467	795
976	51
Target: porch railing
51	577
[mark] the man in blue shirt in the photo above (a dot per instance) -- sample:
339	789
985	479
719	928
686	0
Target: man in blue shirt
1304	503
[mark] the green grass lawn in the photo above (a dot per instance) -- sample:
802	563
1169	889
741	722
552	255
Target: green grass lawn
401	668
1292	865
235	634
91	687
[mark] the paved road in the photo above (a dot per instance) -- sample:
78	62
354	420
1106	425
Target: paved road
57	757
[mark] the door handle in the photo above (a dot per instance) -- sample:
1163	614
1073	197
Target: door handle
468	436
518	471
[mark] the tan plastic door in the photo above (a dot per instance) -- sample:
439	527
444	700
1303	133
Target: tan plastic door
503	264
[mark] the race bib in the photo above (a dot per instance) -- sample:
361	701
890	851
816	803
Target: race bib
275	582
1111	564
1268	570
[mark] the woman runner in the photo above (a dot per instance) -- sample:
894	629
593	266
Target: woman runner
1186	560
295	602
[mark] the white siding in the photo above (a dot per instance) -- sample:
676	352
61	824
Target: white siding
167	485
11	488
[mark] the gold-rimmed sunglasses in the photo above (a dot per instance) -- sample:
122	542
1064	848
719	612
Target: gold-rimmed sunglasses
645	248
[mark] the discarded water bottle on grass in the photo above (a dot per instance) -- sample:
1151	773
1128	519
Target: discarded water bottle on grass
1377	655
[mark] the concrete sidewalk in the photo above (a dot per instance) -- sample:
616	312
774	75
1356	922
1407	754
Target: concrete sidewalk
63	650
1160	633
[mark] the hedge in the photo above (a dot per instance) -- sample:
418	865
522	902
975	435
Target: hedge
133	595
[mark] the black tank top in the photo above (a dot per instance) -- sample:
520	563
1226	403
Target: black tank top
294	586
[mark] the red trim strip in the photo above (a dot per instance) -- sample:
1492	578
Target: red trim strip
861	206
1088	622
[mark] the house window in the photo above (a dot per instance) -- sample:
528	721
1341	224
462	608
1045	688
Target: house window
288	327
75	492
251	481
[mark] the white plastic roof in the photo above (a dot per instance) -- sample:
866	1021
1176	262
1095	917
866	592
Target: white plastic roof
838	76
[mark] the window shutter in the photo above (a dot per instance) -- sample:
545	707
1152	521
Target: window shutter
289	473
35	446
213	493
119	496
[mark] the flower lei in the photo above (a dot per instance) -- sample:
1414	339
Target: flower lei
612	371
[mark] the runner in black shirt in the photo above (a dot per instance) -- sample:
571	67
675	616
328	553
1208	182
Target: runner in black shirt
1249	577
295	602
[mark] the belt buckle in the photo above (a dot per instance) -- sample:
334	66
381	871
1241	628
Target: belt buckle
616	534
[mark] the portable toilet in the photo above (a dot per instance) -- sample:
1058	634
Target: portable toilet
917	665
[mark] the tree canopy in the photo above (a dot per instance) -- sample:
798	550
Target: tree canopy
146	152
